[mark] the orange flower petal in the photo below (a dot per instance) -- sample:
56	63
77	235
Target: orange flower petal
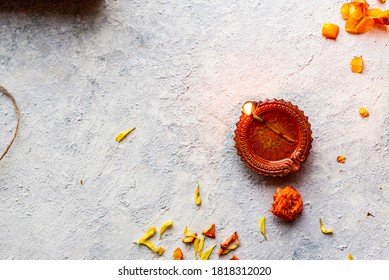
365	25
357	10
373	12
210	232
177	254
341	159
231	243
357	64
287	203
330	30
351	25
234	258
345	11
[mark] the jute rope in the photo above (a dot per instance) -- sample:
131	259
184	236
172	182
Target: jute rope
10	96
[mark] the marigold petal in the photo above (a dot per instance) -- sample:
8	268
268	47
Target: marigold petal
190	239
365	25
177	254
363	112
152	247
351	26
345	11
210	232
147	235
330	30
164	227
357	64
262	226
341	159
323	229
207	253
234	258
373	12
231	243
121	135
350	257
197	195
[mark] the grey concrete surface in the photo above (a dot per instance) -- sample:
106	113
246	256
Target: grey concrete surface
178	71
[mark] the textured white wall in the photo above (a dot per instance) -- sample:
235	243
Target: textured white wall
179	71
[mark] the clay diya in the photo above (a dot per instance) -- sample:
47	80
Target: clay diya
273	137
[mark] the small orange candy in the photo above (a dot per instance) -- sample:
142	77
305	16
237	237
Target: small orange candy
287	204
330	31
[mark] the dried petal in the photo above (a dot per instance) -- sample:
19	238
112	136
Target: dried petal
341	159
382	1
229	244
345	11
330	30
262	226
357	64
210	232
234	258
188	233
121	135
363	112
177	254
147	235
196	247
365	25
190	237
151	246
287	203
323	229
160	251
350	257
197	195
164	227
207	253
201	246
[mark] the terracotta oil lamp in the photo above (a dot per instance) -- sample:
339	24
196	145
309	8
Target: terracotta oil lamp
273	137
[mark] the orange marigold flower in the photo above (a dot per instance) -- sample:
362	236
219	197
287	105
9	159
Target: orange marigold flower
287	203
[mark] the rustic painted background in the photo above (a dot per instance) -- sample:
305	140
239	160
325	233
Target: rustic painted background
178	71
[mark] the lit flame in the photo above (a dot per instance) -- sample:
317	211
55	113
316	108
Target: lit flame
248	108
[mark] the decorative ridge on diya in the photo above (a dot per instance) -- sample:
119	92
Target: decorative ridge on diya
274	138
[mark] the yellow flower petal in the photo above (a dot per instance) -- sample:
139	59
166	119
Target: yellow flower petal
121	135
323	229
147	235
262	226
207	253
350	257
151	246
363	112
197	195
201	246
164	227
